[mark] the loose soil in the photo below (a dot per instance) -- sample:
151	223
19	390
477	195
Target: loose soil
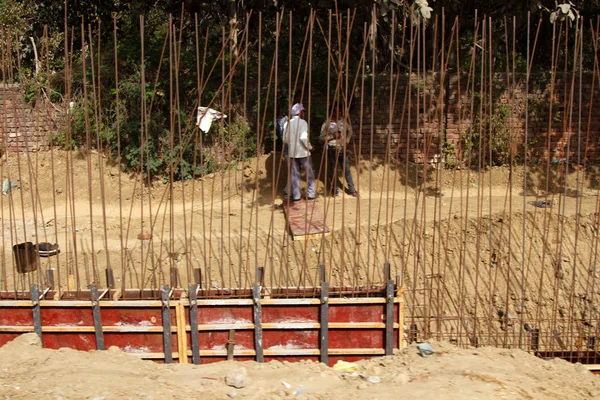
450	373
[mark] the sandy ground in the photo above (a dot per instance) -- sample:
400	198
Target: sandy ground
473	255
450	373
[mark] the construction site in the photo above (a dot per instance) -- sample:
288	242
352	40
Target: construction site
475	227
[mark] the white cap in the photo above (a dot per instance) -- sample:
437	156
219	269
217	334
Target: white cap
296	109
333	127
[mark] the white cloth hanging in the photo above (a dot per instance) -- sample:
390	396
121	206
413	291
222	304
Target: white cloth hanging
206	116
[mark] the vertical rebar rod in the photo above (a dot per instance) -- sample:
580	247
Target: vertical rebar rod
119	160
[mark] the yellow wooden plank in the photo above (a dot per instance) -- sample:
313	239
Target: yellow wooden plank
181	333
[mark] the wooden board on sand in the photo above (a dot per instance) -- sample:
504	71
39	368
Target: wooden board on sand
304	219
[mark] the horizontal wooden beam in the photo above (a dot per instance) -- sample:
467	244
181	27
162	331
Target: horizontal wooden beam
185	302
290	352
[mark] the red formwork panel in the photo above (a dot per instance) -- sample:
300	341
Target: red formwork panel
217	340
213	359
137	328
138	342
357	313
16	316
65	316
6	337
138	317
225	314
292	358
288	339
78	341
285	313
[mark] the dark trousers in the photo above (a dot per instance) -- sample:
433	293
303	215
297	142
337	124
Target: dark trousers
337	161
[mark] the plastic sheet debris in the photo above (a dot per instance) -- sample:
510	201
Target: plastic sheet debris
299	390
345	366
6	186
541	203
374	379
425	349
287	385
206	116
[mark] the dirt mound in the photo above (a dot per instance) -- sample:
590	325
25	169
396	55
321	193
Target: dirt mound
449	373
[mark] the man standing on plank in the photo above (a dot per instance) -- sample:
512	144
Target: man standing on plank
299	148
336	132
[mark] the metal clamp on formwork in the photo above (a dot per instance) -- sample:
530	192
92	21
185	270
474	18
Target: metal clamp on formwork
257	314
165	294
389	310
37	316
193	295
389	318
97	317
324	318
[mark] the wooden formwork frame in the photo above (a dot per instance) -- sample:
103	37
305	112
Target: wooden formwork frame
361	320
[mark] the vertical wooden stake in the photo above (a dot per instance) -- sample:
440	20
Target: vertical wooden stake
166	322
181	334
37	316
324	324
97	317
258	333
260	276
174	277
110	279
198	276
70	283
50	277
230	345
193	295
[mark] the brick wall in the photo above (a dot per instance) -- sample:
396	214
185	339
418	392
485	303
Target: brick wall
432	117
25	126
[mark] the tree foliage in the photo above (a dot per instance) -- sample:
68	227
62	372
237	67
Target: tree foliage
38	27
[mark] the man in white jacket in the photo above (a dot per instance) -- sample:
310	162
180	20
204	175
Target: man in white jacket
296	137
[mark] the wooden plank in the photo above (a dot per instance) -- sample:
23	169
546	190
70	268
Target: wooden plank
201	328
117	294
97	318
181	332
151	356
166	321
201	302
349	352
289	352
304	218
257	314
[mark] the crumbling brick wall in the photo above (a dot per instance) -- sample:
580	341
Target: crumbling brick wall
25	126
454	117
